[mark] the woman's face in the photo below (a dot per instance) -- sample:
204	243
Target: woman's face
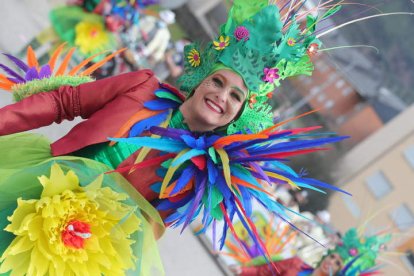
215	102
331	264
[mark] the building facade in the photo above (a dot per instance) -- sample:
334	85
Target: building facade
379	173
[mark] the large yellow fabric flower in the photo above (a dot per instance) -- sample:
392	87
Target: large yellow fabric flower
71	230
91	37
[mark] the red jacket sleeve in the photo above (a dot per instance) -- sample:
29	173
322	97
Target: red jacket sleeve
67	102
288	267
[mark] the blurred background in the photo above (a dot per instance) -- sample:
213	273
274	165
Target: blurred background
364	92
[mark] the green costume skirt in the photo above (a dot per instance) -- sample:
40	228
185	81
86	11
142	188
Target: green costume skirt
65	216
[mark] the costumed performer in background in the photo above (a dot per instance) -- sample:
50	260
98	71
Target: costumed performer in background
354	255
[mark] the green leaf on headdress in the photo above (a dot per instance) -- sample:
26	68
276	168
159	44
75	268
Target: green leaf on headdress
293	52
289	69
332	11
248	65
194	75
265	29
245	9
311	23
254	119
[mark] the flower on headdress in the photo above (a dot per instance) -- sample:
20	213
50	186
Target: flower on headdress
291	41
312	49
252	100
194	58
91	37
222	43
353	252
269	95
71	230
270	74
241	32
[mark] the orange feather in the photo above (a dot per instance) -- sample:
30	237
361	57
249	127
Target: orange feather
270	129
5	80
224	141
65	62
6	86
248	185
83	63
100	63
55	56
140	115
31	57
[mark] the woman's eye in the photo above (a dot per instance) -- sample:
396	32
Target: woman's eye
236	96
218	82
338	263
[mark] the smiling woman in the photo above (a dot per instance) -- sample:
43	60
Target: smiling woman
206	154
215	102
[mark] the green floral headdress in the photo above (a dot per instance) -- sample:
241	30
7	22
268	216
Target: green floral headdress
262	48
359	253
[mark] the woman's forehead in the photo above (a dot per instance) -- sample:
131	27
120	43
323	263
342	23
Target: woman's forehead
232	77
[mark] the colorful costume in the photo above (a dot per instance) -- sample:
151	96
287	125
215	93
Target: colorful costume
184	174
357	252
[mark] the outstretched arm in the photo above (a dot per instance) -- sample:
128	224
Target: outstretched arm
67	102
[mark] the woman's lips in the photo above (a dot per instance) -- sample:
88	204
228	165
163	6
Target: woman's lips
213	106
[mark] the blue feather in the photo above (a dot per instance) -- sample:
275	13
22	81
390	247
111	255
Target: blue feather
160	104
294	145
187	156
145	124
156	187
185	177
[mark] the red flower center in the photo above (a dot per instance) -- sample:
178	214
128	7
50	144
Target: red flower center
195	57
75	234
94	32
222	44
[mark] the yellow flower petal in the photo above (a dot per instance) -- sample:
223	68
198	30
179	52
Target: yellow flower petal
40	225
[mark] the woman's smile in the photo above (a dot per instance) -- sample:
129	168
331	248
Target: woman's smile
214	106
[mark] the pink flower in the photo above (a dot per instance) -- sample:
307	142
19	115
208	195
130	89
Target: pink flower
270	74
353	252
241	32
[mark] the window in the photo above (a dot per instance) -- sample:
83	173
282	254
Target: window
379	185
339	83
346	91
321	97
329	104
409	155
403	217
315	90
352	206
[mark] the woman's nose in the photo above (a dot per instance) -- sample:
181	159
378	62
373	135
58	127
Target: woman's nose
221	97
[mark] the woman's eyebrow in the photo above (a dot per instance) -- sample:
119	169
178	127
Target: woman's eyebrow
234	87
239	89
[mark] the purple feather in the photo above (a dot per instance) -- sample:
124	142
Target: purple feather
169	132
273	180
18	62
45	72
195	204
32	74
15	80
12	73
